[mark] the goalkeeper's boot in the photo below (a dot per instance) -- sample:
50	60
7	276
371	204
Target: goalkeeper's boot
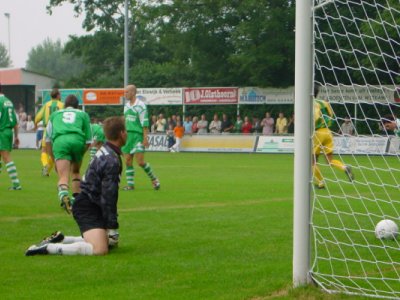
55	237
36	250
349	173
320	186
66	204
128	188
156	184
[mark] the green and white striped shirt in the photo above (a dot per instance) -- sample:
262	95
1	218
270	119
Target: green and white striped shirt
136	116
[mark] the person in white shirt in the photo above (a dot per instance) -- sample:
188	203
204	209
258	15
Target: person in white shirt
347	127
161	123
202	125
215	125
30	125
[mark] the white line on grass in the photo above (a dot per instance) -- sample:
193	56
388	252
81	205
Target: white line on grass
154	208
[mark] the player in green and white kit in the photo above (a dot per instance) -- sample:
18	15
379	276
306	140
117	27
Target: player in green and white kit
391	123
137	126
98	138
68	137
8	123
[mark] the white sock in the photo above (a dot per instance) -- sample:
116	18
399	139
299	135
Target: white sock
72	239
80	248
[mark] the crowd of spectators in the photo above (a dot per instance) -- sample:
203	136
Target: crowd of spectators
225	125
25	122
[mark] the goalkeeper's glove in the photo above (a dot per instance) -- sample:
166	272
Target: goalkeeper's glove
113	237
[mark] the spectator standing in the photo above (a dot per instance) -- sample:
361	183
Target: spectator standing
256	125
30	125
347	127
187	124
169	122
246	126
281	124
215	125
195	129
291	125
22	122
202	125
153	127
179	131
178	119
226	124
237	128
161	124
172	120
268	124
22	116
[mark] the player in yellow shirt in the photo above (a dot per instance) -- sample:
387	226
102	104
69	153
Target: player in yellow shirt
323	140
44	115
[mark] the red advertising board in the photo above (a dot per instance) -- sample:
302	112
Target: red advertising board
222	95
103	96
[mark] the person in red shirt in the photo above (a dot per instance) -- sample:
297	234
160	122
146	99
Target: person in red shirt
179	131
246	127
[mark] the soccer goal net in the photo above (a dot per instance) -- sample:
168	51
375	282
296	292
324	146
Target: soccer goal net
356	65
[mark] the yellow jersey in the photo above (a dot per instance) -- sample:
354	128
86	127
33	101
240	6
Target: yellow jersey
323	114
45	112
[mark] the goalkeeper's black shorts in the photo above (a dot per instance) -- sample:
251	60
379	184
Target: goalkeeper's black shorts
87	214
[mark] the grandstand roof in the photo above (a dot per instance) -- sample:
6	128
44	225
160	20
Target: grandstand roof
21	76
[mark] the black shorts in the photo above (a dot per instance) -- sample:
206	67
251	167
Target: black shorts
87	214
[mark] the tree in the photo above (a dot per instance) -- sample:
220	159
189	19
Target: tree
102	54
214	42
5	60
49	58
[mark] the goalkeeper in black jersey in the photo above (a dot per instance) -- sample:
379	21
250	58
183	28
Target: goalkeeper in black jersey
95	208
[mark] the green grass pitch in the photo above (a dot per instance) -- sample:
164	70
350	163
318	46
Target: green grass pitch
219	228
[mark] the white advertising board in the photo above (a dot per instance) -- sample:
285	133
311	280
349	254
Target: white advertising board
360	145
359	94
275	144
161	96
255	95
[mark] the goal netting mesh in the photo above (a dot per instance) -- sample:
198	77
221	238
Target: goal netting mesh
356	64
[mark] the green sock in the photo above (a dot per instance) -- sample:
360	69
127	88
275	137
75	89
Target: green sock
62	191
12	173
93	151
149	171
130	175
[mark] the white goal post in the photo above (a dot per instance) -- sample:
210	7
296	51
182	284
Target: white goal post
351	50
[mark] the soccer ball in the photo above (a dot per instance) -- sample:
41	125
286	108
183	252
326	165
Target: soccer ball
386	229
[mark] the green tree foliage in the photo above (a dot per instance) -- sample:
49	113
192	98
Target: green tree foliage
102	54
230	43
5	60
354	42
49	58
189	43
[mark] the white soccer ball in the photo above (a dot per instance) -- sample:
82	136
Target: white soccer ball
386	229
